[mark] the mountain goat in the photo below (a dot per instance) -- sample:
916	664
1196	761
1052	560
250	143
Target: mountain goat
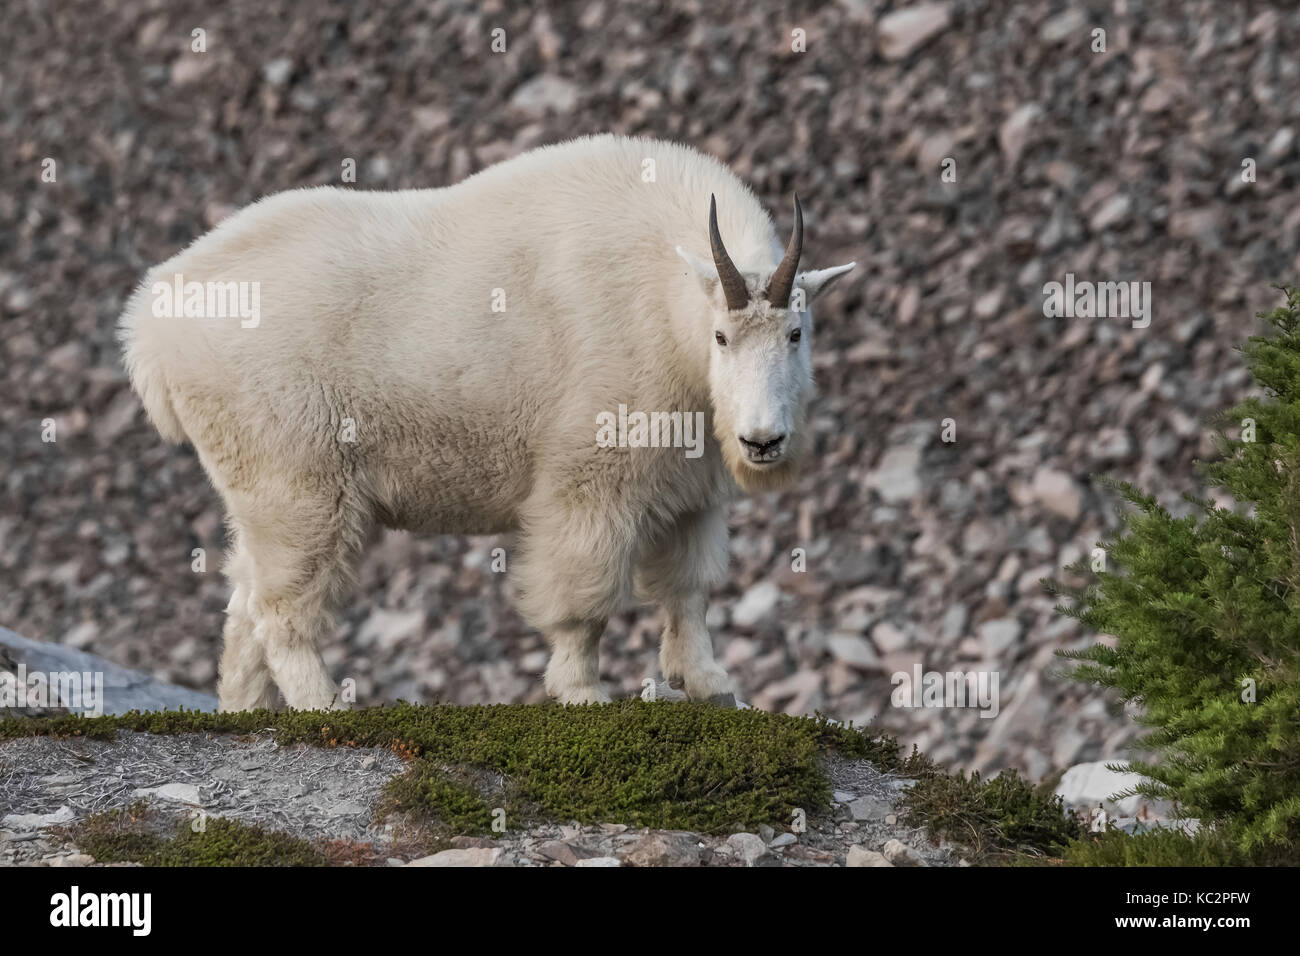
440	360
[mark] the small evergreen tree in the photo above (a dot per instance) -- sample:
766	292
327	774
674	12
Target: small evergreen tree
1205	612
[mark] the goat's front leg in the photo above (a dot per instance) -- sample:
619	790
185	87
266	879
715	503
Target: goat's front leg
686	652
677	573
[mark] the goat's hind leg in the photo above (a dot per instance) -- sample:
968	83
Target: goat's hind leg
245	682
573	573
303	558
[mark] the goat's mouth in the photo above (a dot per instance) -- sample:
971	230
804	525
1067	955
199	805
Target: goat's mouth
764	452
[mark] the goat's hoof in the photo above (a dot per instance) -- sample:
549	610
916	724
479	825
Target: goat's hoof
584	695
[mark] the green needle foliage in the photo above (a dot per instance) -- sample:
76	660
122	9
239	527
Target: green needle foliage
1002	820
1157	847
1205	612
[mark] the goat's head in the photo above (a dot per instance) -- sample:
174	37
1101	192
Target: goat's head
760	362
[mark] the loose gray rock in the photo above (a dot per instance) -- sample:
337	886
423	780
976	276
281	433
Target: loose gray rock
900	854
748	846
903	31
123	689
663	849
566	853
870	808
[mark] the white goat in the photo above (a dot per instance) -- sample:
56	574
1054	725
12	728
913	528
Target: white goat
439	360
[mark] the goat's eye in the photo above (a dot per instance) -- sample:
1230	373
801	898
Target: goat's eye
719	338
795	336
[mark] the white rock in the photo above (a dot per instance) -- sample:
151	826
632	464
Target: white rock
854	650
999	635
987	305
890	638
277	72
933	151
176	792
599	861
860	856
1014	131
1280	145
783	839
799	690
388	628
190	66
34	821
1112	212
472	856
1111	443
1088	784
534	662
1060	27
1057	492
903	31
954	622
545	92
755	604
897	477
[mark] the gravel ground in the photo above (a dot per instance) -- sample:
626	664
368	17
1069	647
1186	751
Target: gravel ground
312	792
1115	165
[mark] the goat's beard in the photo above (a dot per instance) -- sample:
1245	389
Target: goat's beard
754	479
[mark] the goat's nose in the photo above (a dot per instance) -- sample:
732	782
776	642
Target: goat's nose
761	442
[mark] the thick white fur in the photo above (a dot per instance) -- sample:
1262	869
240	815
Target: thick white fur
377	307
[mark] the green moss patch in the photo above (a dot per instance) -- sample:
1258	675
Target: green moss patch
130	835
446	798
680	766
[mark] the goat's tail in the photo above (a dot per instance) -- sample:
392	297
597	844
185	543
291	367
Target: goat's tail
134	334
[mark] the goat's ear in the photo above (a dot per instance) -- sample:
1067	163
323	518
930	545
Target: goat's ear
817	281
706	273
